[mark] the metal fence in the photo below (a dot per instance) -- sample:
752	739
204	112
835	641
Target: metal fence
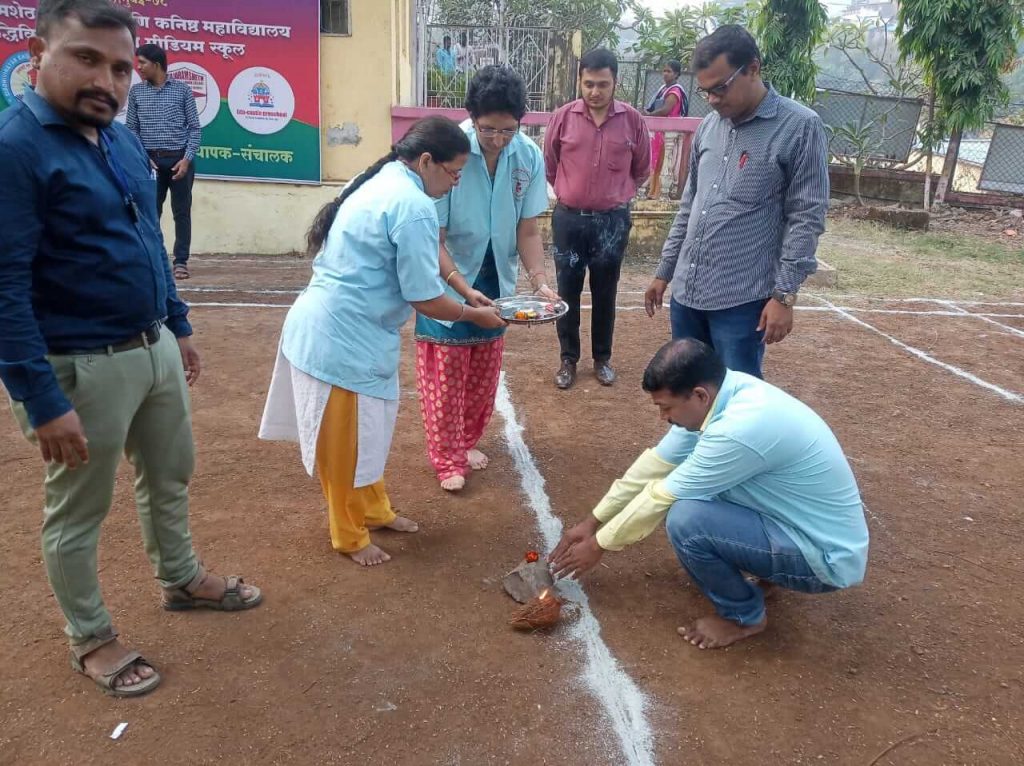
630	83
878	129
449	55
1003	168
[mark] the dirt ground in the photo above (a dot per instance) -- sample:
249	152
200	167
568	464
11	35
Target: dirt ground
413	663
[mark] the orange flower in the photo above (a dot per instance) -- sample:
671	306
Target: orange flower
532	556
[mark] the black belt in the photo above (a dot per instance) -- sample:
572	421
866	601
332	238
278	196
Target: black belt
578	211
146	338
165	153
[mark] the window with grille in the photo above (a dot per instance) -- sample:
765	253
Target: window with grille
335	18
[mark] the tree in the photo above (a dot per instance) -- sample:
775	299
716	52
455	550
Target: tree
964	48
867	50
672	36
675	34
788	32
598	20
865	55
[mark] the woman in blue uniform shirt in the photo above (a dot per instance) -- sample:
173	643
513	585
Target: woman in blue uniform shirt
335	383
488	225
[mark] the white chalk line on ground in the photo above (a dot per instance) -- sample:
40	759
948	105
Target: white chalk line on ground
910	300
246	290
618	694
297	260
830	308
588	307
216	305
964	302
1008	395
909	312
267	291
982	317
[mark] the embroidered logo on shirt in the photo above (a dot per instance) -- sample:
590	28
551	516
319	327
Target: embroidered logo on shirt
520	182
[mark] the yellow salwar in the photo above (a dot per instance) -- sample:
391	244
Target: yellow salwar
351	511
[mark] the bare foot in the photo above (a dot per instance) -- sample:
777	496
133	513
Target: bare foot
715	632
402	524
108	656
478	461
370	556
453	483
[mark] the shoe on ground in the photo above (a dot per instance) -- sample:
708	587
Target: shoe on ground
604	372
566	375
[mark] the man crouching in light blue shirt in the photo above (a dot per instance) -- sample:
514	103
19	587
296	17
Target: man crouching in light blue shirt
754	483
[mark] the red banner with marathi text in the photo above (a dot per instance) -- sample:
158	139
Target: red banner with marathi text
253	66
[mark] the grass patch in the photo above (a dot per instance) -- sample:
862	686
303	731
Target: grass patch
873	260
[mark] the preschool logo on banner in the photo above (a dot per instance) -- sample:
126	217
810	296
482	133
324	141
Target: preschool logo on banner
261	101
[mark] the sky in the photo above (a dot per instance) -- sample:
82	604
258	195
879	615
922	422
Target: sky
658	6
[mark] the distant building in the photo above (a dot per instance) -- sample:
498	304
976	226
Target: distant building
872	8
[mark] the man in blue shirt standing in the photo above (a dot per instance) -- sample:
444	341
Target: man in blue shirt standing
162	113
93	337
753	482
445	56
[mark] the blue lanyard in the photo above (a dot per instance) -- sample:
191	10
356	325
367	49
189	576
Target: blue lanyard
119	177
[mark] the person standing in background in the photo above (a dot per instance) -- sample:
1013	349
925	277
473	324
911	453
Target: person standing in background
162	113
445	56
669	102
597	152
463	54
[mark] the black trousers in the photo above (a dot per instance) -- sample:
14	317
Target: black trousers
596	243
181	201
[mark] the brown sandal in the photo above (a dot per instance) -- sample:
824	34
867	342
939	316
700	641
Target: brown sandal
181	271
181	599
107	681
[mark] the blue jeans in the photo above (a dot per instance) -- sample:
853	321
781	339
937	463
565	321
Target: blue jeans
717	542
731	332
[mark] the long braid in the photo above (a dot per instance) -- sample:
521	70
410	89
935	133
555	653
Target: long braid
318	230
439	137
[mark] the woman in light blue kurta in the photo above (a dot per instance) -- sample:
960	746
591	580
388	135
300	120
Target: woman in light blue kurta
335	384
488	225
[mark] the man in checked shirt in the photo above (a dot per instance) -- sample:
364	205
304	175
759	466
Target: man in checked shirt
747	229
162	113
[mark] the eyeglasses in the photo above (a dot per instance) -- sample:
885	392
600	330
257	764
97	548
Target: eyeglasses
492	132
720	89
455	175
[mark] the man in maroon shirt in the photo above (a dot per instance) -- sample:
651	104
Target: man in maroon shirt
597	152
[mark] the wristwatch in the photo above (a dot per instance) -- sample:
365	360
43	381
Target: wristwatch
786	299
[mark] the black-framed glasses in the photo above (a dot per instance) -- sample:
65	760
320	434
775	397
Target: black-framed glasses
721	88
493	132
